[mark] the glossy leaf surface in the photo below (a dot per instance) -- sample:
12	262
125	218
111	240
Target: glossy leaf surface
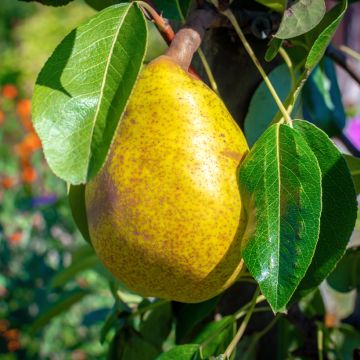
281	188
339	206
83	89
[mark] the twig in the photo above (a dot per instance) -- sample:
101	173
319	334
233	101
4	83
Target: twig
242	327
349	145
164	27
289	64
342	60
257	336
208	71
255	60
320	342
351	52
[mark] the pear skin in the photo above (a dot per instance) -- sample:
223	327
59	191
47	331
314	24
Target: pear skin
165	214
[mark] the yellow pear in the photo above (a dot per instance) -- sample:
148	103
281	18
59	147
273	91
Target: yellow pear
165	214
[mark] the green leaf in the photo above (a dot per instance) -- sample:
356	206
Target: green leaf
62	304
114	320
181	352
300	17
323	33
346	339
312	304
157	324
78	210
190	315
257	120
354	166
83	89
346	275
173	9
280	186
129	345
339	206
69	273
322	99
216	336
276	5
273	49
138	348
51	2
156	45
102	4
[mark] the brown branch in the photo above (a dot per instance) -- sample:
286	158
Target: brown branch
343	61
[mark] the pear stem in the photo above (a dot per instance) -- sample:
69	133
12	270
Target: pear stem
228	13
203	60
188	39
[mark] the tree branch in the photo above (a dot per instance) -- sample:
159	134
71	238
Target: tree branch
340	58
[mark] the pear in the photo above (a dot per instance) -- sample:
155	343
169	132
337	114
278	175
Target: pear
165	213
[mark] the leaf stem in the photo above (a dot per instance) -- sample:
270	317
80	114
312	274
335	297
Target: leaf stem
228	13
293	95
289	64
320	343
208	71
163	26
257	336
231	321
241	312
242	327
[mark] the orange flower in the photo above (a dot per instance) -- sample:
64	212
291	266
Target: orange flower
21	151
9	91
32	142
28	174
27	124
7	182
16	237
12	334
2	117
13	345
4	325
24	108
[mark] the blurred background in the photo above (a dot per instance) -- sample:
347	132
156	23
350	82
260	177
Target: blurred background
37	235
54	294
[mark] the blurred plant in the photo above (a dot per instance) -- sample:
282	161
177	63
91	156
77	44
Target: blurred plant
38	240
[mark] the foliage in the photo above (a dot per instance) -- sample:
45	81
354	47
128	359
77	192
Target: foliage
38	240
298	190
